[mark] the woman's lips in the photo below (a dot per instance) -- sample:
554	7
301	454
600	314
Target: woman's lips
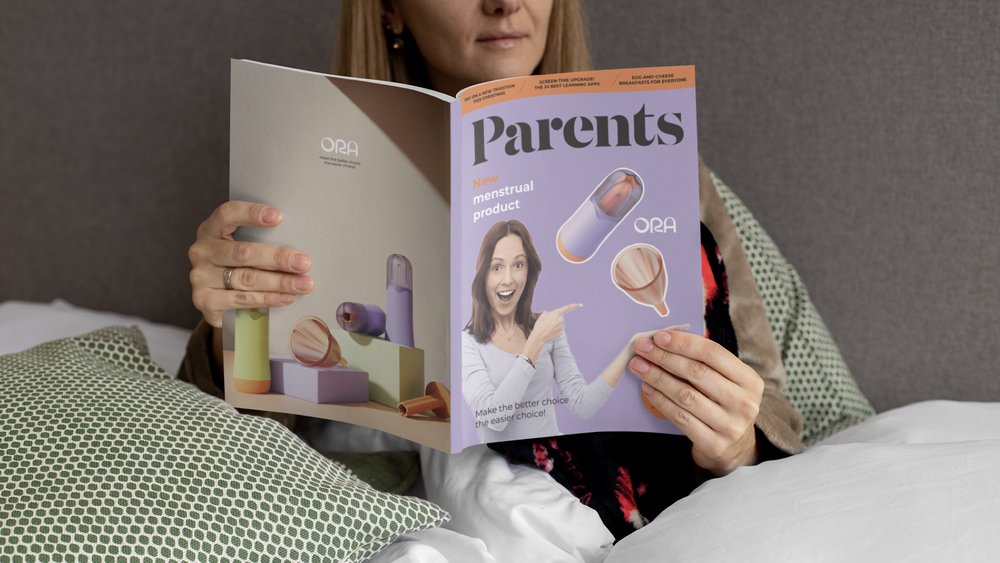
505	296
501	41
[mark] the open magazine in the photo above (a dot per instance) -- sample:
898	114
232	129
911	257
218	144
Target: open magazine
449	236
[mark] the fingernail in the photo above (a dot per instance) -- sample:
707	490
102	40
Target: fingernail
646	389
662	338
644	345
301	262
303	283
270	215
639	365
285	299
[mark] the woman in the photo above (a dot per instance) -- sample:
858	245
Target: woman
511	355
731	410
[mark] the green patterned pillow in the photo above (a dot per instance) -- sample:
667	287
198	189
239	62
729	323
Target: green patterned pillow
104	455
819	384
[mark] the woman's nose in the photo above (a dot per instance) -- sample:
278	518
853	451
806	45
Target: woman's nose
501	7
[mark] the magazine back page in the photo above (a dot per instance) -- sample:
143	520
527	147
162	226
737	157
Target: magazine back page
360	172
577	204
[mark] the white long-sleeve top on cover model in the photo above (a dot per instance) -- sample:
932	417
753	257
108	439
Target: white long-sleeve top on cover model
511	399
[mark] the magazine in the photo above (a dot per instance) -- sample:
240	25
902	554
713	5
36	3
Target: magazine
482	263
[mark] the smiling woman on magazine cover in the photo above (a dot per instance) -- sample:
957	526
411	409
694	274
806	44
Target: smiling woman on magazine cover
511	355
722	391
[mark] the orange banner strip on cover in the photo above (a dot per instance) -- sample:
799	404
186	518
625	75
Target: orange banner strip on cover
618	80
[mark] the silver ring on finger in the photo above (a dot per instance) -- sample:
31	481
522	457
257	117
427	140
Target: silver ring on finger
227	278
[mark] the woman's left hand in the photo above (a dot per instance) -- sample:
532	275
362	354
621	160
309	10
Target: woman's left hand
710	394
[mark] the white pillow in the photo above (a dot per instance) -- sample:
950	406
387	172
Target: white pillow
927	422
434	545
24	325
521	513
890	499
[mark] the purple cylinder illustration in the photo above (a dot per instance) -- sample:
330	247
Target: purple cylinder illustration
604	209
399	300
363	319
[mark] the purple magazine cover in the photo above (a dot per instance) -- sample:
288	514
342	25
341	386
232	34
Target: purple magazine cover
601	169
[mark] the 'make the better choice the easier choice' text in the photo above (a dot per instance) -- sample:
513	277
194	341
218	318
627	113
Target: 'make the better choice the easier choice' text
516	411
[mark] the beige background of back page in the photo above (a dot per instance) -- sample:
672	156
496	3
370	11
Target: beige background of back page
348	220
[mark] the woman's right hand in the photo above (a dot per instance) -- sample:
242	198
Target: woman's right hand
613	373
548	327
263	275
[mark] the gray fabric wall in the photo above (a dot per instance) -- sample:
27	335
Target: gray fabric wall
864	135
114	138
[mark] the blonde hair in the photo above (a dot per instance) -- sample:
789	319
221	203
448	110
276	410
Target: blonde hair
361	48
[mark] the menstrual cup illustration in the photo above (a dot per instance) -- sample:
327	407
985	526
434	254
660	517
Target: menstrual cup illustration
312	345
363	319
399	300
251	362
638	270
437	400
603	210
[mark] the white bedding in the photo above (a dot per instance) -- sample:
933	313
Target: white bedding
522	514
918	483
24	324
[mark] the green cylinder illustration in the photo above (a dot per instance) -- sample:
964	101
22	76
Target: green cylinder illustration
252	362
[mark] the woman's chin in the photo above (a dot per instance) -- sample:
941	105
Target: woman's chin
499	64
503	310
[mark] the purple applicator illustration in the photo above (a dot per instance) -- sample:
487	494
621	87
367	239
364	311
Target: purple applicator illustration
363	319
399	300
606	207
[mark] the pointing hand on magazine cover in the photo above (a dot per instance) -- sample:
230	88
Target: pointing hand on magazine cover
548	326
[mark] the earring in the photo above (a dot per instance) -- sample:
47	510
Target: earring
395	40
397	43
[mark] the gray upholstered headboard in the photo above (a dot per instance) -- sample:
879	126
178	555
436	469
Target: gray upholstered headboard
863	135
